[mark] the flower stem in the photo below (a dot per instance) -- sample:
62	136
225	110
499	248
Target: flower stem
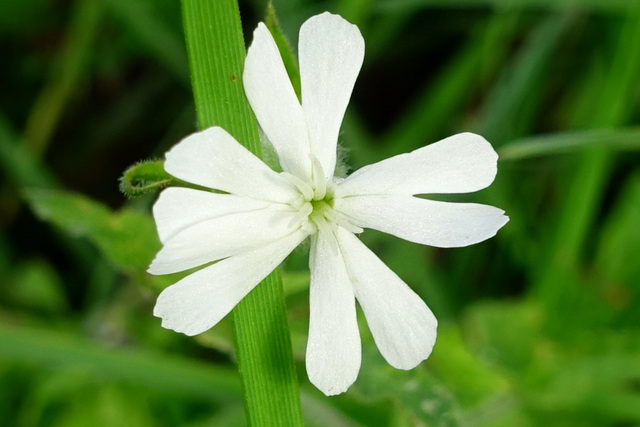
216	52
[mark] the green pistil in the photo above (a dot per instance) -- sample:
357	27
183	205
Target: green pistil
320	205
322	209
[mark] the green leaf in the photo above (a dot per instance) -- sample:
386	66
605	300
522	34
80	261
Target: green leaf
592	387
510	330
467	376
127	238
420	398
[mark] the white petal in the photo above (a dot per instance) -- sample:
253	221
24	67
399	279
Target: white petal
333	348
429	222
462	163
212	158
178	208
202	299
402	325
222	236
331	51
275	103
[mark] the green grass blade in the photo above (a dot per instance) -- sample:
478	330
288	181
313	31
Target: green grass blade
161	41
57	350
511	107
557	286
263	344
620	139
127	238
451	89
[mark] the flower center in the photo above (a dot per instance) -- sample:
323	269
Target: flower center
314	208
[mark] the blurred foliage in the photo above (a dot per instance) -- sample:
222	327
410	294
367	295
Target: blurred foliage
540	325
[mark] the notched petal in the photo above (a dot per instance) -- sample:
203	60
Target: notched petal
331	52
333	347
402	325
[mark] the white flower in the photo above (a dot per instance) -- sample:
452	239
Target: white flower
263	215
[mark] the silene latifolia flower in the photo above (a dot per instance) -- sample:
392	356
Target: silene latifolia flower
247	231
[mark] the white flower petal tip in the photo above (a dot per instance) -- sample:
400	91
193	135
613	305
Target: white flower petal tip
275	104
200	300
461	163
428	222
333	348
329	386
402	325
407	356
331	52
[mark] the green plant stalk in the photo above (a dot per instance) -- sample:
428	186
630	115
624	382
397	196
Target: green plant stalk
216	52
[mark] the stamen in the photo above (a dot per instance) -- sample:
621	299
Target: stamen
303	187
301	215
318	178
327	229
339	219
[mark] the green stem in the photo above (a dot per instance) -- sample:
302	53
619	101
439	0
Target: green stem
216	51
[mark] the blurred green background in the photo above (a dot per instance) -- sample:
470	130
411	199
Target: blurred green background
538	326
